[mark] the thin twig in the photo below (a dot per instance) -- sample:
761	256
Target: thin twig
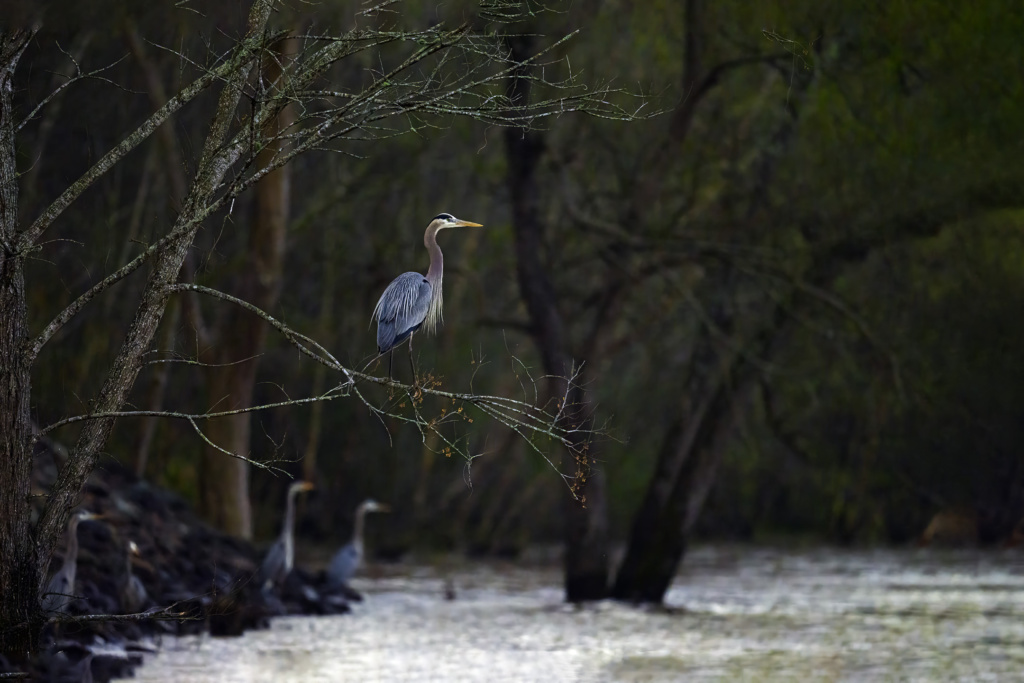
162	614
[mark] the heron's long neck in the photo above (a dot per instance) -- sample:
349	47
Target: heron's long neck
357	533
434	276
71	552
289	513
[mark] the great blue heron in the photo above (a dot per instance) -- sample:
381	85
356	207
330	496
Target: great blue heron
60	590
278	562
69	661
134	597
346	561
413	299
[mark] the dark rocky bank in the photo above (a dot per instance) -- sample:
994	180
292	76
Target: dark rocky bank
198	579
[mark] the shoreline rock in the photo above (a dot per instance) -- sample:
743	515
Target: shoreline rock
206	574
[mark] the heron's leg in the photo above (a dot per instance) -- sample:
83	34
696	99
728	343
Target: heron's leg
412	363
391	357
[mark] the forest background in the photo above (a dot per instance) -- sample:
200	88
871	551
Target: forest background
793	281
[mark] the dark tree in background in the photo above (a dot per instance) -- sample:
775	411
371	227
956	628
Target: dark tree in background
234	346
699	258
275	100
19	573
793	294
585	519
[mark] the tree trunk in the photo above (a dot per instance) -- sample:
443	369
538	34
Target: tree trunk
684	473
157	389
720	388
693	446
586	519
19	574
224	481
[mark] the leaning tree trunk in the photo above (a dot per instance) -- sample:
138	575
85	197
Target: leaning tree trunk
721	385
224	481
586	519
19	575
684	472
722	381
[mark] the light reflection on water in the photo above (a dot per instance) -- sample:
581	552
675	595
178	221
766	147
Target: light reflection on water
748	614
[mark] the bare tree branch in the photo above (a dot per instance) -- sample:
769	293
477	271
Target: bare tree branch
33	348
161	614
247	52
59	89
298	339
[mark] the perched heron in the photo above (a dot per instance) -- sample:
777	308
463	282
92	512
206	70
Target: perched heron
413	299
134	597
60	591
347	560
278	562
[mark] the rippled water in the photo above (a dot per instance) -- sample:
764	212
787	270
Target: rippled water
739	614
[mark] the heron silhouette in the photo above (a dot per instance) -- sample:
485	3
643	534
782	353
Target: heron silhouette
414	300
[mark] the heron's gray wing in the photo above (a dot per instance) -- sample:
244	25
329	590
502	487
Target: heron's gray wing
56	597
344	564
401	309
273	564
133	595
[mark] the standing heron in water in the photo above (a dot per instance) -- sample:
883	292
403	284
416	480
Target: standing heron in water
414	299
134	597
60	590
278	562
346	561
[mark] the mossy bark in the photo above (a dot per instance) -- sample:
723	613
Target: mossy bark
19	575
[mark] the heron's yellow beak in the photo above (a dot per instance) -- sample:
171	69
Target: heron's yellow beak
467	224
381	507
306	486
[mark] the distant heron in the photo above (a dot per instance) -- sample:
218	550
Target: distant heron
413	299
278	562
134	597
60	590
69	661
346	561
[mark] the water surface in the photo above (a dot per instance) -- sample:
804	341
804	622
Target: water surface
736	614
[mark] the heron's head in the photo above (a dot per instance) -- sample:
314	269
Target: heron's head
446	220
85	516
134	549
370	505
300	486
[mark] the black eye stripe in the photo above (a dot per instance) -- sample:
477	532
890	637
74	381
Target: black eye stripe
444	217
